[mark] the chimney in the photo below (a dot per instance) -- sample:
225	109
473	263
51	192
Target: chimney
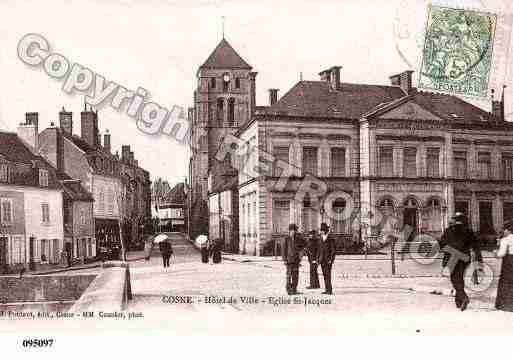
136	163
332	76
125	153
273	96
106	141
131	158
89	124
28	131
498	107
403	80
99	139
66	121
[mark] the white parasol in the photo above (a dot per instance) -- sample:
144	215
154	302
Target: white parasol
201	239
159	238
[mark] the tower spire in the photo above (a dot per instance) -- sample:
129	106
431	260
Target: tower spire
222	25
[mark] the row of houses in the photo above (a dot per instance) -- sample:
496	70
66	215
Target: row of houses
382	151
66	197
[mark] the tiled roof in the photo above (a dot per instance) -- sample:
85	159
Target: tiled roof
317	99
13	149
25	163
225	57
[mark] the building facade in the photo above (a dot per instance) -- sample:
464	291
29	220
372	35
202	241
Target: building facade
31	203
119	187
374	162
170	209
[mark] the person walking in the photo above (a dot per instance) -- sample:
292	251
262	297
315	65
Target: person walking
456	242
313	254
327	253
216	250
504	299
292	245
166	251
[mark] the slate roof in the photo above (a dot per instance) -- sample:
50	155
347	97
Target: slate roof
13	149
25	163
353	101
225	57
73	189
317	99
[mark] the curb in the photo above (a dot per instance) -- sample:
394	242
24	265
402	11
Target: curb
71	269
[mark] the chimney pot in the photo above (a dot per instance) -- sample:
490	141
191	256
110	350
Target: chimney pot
403	80
273	96
28	131
106	141
89	124
66	121
332	76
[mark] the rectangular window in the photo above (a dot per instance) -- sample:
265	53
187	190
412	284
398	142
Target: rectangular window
213	82
280	153
101	201
432	162
4	173
485	218
18	250
6	210
410	162
110	202
507	166
281	216
310	160
45	213
309	216
460	164
338	162
484	165
386	161
43	178
237	82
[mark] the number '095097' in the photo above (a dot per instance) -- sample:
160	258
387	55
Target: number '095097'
37	343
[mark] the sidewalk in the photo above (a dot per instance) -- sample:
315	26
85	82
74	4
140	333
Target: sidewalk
131	257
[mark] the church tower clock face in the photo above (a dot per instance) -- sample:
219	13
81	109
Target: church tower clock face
226	78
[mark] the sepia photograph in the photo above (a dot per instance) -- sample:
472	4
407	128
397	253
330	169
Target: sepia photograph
222	167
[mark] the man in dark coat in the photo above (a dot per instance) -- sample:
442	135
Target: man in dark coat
456	243
327	252
313	254
292	247
166	250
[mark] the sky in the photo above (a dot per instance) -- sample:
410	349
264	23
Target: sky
159	45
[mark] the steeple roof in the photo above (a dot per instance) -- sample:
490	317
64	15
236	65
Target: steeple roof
225	57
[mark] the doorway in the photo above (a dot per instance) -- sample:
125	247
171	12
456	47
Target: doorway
3	254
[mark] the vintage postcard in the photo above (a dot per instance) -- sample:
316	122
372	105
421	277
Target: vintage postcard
219	167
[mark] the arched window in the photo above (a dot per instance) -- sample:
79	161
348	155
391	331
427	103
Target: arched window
220	111
213	82
231	112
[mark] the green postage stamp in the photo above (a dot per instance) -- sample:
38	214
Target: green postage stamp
457	53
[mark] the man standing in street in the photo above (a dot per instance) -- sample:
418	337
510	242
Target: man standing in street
292	246
456	243
313	254
327	252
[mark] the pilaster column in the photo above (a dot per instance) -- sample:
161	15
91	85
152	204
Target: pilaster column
446	157
324	164
472	161
296	156
496	163
398	160
373	152
474	212
498	220
421	160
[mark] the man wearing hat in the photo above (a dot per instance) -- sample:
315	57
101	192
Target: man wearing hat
292	245
327	252
313	254
456	242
